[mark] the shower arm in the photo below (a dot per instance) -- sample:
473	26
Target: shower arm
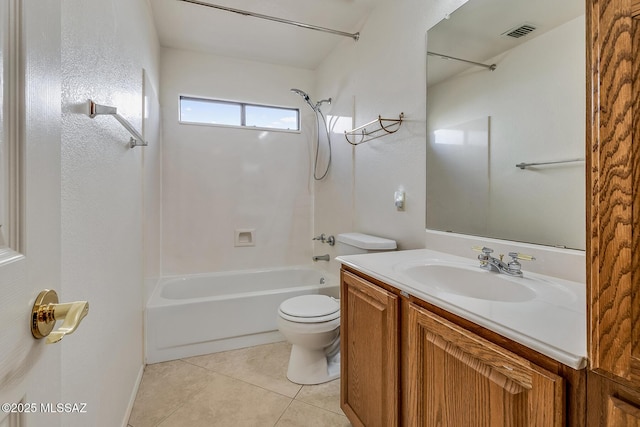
322	101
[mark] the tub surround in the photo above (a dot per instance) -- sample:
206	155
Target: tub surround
220	181
553	323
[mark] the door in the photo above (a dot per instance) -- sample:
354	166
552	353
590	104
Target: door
368	353
29	206
460	379
610	403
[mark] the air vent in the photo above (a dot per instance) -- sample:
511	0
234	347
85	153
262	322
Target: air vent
519	31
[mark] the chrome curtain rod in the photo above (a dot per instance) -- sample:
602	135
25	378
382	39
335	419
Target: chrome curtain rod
354	36
479	64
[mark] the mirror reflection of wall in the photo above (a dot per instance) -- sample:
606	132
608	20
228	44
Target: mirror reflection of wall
533	108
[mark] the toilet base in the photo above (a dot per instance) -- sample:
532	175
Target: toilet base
308	367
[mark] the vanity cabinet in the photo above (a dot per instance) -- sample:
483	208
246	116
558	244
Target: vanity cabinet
408	363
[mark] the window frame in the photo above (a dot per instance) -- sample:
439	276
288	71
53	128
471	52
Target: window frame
243	115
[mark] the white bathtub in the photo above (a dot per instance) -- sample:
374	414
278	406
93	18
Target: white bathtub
199	314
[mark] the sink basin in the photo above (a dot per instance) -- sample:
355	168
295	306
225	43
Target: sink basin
469	281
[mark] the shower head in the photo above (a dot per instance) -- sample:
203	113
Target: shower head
301	93
304	95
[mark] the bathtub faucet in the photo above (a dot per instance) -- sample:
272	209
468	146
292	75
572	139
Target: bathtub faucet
324	239
317	258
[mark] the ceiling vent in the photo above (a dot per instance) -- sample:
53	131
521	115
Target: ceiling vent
519	31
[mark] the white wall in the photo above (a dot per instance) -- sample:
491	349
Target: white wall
542	79
384	73
216	179
105	46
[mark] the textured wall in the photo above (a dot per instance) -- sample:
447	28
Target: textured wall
216	179
105	46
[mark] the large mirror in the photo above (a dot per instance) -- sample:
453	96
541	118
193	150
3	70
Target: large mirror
506	136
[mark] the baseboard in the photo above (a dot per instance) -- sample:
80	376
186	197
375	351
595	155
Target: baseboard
132	399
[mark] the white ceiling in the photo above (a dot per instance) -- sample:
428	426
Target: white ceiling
194	27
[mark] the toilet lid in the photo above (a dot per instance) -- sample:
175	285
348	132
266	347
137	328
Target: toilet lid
309	306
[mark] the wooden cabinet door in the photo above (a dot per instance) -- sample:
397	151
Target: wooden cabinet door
611	404
464	380
369	353
621	413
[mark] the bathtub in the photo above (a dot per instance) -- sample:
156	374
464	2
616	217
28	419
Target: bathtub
207	313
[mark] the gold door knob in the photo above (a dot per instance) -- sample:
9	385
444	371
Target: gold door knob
46	311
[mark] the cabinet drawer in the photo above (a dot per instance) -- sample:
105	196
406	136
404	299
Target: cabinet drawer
464	380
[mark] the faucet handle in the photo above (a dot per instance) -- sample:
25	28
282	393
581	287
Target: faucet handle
486	252
324	239
485	256
514	267
523	257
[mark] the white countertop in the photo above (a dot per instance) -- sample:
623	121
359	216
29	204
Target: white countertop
553	323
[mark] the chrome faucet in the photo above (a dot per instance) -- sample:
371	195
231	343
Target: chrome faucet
325	257
324	239
490	263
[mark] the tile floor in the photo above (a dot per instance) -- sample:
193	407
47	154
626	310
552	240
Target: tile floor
246	387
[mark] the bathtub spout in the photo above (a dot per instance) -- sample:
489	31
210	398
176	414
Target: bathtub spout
317	258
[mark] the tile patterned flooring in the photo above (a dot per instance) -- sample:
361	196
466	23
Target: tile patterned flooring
238	388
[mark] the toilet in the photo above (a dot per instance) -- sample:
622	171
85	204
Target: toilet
311	323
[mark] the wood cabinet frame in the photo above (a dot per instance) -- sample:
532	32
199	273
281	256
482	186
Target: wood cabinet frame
613	212
613	180
612	205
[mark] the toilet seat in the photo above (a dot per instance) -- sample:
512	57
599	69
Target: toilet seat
310	309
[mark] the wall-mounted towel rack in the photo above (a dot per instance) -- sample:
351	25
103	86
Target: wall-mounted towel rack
383	127
96	110
526	165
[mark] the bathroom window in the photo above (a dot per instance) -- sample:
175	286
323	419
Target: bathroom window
238	114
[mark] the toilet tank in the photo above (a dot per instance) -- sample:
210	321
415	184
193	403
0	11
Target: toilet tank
358	243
